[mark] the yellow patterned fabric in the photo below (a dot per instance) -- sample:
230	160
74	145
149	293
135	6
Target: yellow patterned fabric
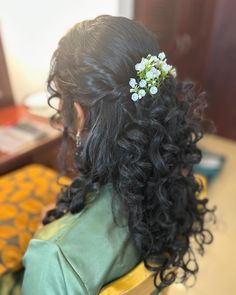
23	194
128	282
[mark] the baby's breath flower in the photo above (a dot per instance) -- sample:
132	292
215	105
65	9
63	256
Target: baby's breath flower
149	75
166	68
141	93
139	67
151	71
155	72
144	61
173	72
153	90
142	83
132	82
153	58
134	96
161	55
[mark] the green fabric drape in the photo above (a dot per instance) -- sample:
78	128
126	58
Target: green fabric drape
78	254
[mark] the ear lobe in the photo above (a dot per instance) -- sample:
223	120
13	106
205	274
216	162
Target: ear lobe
80	114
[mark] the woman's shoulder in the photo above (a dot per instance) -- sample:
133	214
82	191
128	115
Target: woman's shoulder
91	243
96	215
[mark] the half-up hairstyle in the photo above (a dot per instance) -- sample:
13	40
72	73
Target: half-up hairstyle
146	149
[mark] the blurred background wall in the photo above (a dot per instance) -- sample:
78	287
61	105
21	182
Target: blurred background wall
32	29
199	37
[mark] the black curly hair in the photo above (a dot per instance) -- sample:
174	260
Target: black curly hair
146	149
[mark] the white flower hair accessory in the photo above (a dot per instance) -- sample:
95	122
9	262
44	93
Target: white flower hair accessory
151	71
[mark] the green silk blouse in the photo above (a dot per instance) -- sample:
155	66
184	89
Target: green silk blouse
79	253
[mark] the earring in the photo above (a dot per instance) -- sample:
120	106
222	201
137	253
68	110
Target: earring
78	140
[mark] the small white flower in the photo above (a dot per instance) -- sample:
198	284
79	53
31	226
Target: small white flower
141	93
149	75
161	55
155	72
139	67
134	97
166	68
173	72
132	82
155	69
144	61
142	83
153	90
153	58
157	63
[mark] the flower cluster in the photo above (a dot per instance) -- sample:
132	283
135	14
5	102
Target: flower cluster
151	71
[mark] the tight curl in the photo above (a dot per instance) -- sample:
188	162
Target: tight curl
147	150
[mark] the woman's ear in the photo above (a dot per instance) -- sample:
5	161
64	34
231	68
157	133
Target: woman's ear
80	116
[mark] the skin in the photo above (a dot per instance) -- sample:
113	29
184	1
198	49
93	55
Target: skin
80	115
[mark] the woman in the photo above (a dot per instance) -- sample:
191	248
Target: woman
130	134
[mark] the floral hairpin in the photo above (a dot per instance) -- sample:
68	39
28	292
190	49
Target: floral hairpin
151	71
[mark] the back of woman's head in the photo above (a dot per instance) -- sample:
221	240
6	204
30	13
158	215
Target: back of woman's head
146	148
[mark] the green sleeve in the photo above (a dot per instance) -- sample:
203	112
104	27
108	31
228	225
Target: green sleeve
48	272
